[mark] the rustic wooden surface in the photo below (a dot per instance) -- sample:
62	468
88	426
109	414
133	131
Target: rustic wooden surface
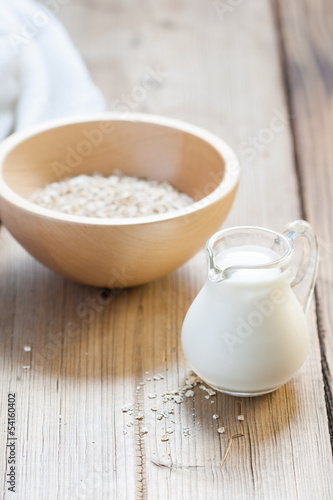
231	72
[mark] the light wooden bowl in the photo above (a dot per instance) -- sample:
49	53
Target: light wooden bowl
116	252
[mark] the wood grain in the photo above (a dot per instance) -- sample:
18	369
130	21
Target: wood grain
224	75
306	41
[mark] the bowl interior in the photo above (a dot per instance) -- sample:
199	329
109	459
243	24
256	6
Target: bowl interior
141	149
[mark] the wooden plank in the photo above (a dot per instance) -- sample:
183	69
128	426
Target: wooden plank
225	75
306	41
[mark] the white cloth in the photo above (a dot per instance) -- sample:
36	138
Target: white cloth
42	76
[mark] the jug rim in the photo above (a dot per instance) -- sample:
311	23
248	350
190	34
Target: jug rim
218	274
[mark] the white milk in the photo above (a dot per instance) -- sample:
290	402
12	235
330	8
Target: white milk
246	334
249	255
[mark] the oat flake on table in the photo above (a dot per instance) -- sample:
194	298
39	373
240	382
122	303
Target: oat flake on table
115	196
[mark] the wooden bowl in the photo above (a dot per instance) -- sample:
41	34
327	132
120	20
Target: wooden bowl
116	252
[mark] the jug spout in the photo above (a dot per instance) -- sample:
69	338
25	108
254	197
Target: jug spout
249	252
215	274
244	252
304	267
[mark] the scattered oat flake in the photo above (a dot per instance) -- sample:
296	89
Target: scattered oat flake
27	348
157	377
159	416
126	408
221	430
144	430
165	437
26	367
215	416
124	431
240	417
139	416
152	395
169	430
211	392
146	373
207	396
148	379
189	393
154	408
178	399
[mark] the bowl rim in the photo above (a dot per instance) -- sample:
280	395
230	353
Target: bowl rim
228	183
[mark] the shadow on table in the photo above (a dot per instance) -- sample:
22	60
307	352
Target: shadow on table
114	337
81	331
269	420
76	331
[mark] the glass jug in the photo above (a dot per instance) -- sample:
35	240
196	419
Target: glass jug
245	333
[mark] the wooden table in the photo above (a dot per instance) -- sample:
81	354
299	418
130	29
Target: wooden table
260	75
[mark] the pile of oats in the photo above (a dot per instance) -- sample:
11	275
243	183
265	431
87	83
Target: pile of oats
163	411
163	404
115	196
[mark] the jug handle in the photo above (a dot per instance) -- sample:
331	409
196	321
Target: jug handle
308	265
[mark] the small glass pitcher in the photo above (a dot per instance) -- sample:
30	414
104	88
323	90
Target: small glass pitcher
245	333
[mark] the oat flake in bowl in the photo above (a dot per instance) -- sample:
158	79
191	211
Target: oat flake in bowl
115	196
